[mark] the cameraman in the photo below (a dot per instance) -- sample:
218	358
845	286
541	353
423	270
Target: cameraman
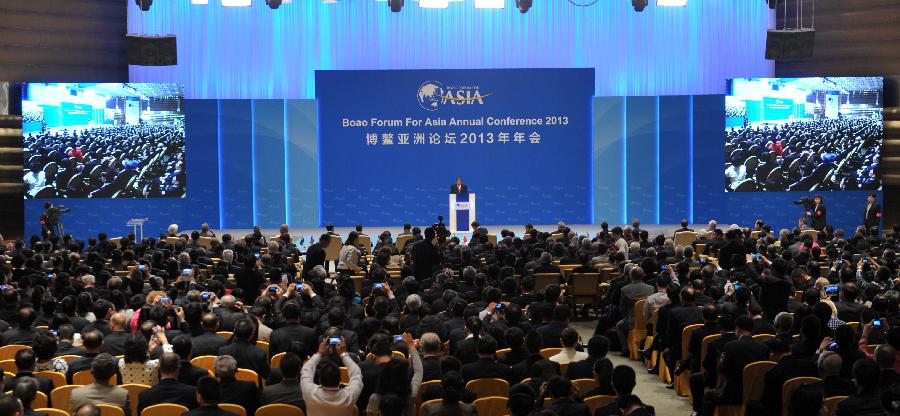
425	256
817	213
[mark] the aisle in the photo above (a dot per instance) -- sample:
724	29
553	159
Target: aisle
649	388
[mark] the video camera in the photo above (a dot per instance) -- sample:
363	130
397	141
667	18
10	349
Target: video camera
440	230
807	203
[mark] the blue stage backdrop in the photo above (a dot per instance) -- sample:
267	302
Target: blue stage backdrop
392	142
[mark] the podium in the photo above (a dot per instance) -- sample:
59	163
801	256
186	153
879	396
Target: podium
138	224
462	212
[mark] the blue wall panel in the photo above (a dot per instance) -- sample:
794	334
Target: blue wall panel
674	158
269	166
609	149
302	158
235	148
640	163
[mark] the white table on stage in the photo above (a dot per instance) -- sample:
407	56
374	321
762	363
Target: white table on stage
138	224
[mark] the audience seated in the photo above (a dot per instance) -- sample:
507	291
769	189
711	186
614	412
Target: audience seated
168	389
103	368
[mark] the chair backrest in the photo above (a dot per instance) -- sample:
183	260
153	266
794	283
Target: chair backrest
40	399
279	409
854	325
52	412
487	387
753	378
225	334
8	352
345	375
60	396
787	390
263	345
110	410
84	377
244	374
164	409
276	359
174	240
134	392
763	337
204	361
402	240
365	241
206	242
585	284
58	379
812	233
686	339
425	404
491	406
584	385
69	358
503	351
596	402
704	348
233	408
333	251
685	238
639	322
831	404
549	352
8	366
542	280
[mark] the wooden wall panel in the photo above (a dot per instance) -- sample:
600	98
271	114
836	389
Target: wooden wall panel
63	40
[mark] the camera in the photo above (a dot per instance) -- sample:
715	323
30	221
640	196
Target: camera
499	307
398	339
205	296
807	202
377	286
186	272
334	340
832	290
440	230
142	267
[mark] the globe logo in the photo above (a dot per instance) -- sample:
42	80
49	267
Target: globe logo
430	95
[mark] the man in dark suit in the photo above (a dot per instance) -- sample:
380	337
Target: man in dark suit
292	331
22	333
832	383
635	290
114	343
486	366
288	390
848	309
431	356
233	390
872	214
597	348
315	254
25	361
187	373
787	368
459	187
818	214
426	257
710	327
208	394
562	404
379	346
735	356
103	310
684	227
246	355
679	318
867	400
168	389
209	342
552	331
92	341
886	357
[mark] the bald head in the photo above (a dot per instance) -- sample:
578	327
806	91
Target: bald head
228	301
88	409
117	321
210	322
830	365
885	356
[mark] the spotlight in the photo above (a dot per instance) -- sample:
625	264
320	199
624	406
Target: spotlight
144	4
396	5
639	4
524	5
199	1
273	4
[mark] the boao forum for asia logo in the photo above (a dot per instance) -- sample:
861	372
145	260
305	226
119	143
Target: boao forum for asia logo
432	95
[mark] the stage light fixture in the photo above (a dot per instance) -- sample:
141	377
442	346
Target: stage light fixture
489	4
144	4
237	3
273	4
396	5
199	1
639	5
524	5
434	4
671	3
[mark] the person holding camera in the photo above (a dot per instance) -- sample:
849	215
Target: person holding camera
817	213
425	256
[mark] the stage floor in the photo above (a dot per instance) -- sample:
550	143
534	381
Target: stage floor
582	229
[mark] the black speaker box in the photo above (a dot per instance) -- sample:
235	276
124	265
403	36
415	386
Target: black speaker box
151	50
782	45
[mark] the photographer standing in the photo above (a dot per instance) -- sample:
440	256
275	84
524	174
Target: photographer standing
872	217
817	214
425	256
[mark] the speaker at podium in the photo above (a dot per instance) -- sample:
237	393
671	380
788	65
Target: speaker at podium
462	212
